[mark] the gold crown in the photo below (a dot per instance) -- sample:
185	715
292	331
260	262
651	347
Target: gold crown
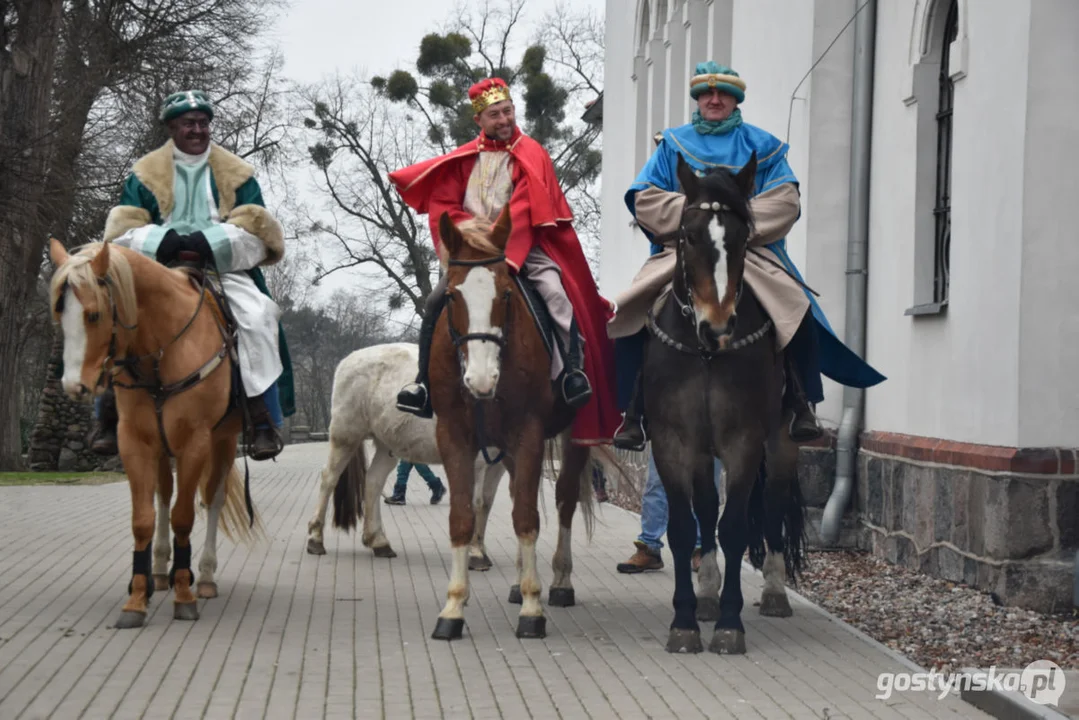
490	96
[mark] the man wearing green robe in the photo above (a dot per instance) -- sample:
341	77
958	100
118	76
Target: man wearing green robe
193	195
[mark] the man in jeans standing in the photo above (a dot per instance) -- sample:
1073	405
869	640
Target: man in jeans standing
654	524
404	469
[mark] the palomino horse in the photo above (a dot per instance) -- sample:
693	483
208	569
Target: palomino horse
490	386
714	387
164	342
364	404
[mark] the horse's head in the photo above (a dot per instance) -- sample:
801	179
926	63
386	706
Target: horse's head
716	224
92	298
478	292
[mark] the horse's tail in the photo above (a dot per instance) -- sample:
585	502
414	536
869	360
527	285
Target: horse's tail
233	520
794	528
755	517
792	515
348	492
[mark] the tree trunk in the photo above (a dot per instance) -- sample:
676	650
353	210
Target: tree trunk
26	80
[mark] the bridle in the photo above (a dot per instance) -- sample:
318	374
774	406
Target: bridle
459	341
112	365
686	307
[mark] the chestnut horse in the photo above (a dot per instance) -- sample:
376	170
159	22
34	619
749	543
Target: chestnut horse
163	340
490	387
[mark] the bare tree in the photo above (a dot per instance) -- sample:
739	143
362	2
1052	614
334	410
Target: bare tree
364	130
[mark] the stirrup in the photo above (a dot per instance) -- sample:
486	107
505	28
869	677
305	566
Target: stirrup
625	437
579	399
420	406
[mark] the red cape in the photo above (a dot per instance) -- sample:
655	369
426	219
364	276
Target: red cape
540	216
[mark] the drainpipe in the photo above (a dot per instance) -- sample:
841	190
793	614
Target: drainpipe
857	245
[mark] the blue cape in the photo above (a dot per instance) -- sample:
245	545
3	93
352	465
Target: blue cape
732	150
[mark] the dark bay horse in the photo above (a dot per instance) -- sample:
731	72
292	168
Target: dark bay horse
713	383
491	392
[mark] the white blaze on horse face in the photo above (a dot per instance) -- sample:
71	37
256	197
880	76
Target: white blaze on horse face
482	365
717	233
71	322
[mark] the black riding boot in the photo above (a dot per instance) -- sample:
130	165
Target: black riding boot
576	390
415	398
264	441
631	434
103	437
804	426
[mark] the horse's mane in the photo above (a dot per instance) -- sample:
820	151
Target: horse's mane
77	272
475	232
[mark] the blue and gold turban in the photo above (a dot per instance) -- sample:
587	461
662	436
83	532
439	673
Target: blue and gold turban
181	102
711	75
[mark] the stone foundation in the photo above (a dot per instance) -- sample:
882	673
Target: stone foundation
1004	520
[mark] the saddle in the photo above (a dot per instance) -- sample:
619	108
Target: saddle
541	315
200	280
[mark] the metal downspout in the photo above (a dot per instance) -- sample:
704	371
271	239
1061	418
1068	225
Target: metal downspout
857	245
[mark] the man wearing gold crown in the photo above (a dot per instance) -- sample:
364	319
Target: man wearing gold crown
193	195
503	165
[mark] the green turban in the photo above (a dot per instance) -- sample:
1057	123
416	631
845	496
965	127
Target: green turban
711	75
179	103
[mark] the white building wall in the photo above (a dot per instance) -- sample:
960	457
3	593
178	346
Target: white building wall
623	249
955	375
1049	292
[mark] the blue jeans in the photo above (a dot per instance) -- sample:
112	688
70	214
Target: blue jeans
404	469
654	507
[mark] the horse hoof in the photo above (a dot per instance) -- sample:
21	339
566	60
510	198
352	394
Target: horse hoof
161	582
561	597
207	590
130	619
682	640
775	605
515	595
529	626
479	563
707	609
728	642
384	551
185	611
448	628
315	547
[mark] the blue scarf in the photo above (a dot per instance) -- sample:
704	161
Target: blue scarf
711	127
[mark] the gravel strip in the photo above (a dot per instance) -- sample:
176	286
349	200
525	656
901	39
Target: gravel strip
936	623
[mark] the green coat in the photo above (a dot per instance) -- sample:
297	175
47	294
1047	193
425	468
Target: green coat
147	198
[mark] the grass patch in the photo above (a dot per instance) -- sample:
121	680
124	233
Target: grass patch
60	478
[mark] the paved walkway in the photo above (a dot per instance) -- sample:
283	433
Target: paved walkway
347	635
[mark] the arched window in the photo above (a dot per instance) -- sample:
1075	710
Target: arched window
942	208
939	52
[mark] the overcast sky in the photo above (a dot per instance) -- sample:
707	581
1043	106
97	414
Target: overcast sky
374	37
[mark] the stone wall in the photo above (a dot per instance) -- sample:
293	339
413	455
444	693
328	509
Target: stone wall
1004	520
59	439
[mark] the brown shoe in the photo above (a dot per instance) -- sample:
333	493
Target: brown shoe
644	559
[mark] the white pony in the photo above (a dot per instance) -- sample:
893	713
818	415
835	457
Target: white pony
364	407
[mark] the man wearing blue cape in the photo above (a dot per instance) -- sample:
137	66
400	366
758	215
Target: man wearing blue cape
717	137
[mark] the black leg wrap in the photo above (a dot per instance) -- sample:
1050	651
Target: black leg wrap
140	565
181	560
